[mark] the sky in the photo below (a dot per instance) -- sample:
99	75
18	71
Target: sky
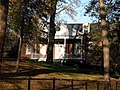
80	18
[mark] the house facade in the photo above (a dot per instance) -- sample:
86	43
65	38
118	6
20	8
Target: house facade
68	44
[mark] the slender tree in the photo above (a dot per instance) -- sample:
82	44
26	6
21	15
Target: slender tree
3	25
105	44
20	39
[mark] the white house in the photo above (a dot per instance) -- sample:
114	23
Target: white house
68	43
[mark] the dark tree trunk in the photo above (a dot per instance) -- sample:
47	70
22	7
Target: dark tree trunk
19	54
21	36
51	35
105	44
3	25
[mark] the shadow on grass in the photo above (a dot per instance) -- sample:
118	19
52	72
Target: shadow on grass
46	68
33	72
83	69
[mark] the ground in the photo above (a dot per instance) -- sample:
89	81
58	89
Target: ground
42	70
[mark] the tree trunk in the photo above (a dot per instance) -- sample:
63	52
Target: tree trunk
21	36
3	25
51	35
105	44
19	54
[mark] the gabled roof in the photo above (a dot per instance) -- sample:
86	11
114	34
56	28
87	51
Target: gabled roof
75	26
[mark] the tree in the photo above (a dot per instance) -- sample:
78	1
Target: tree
113	20
51	33
93	9
70	11
105	44
24	21
22	24
95	56
67	8
3	25
36	13
16	15
10	45
112	14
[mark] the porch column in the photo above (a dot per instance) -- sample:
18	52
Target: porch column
81	54
64	48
